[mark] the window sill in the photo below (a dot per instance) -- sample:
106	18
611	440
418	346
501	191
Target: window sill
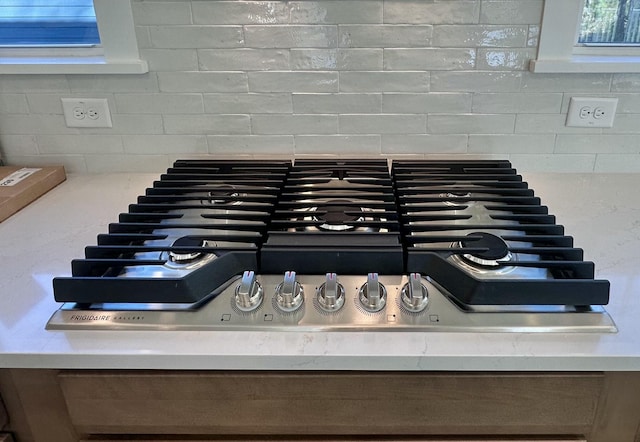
70	65
587	64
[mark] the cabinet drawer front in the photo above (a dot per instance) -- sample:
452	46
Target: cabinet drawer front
331	402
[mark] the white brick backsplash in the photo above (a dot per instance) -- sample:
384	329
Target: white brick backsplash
202	81
240	12
424	144
343	78
293	124
534	34
247	103
470	81
291	36
205	37
384	36
382	124
336	11
243	59
336	59
165	144
18	145
470	124
508	144
33	124
162	13
625	83
515	103
627	163
629	103
159	103
270	81
337	144
505	59
13	104
171	59
479	36
337	103
384	81
80	144
251	144
553	162
432	12
72	163
113	83
12	84
548	123
606	143
427	103
207	124
625	123
565	83
130	124
429	59
511	11
126	163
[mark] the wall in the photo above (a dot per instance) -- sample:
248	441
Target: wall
338	77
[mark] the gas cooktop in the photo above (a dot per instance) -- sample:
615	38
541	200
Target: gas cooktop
335	245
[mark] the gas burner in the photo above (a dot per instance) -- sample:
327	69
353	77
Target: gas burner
186	257
496	252
224	196
336	216
340	216
451	197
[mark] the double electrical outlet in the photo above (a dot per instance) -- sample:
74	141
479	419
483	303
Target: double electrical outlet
86	112
591	112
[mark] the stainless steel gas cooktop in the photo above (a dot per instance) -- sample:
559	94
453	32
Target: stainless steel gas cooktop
335	245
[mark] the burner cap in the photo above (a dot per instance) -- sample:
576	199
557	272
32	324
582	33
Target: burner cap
186	257
224	195
334	216
496	249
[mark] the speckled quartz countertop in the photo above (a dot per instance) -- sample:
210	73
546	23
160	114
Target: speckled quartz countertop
601	211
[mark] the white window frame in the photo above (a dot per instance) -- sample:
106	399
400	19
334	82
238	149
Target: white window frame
557	50
118	53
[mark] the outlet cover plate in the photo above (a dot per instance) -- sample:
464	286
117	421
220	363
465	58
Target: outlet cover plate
86	112
591	112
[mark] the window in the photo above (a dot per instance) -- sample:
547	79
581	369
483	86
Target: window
52	23
68	36
589	36
610	22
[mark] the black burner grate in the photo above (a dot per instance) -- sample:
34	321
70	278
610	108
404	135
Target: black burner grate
202	223
447	210
335	216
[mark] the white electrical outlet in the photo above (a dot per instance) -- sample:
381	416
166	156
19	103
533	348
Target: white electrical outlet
86	112
591	112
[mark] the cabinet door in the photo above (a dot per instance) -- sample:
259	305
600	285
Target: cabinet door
347	440
294	404
4	416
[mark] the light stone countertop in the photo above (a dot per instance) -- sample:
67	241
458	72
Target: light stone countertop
601	211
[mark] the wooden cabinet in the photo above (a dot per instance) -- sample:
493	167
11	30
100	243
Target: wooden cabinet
76	405
4	417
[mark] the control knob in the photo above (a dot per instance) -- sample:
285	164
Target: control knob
331	294
249	292
289	293
373	295
414	294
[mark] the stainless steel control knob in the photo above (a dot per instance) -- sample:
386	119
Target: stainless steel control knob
249	292
373	295
414	294
331	294
289	293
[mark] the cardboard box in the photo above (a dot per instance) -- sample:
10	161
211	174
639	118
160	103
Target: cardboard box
19	186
